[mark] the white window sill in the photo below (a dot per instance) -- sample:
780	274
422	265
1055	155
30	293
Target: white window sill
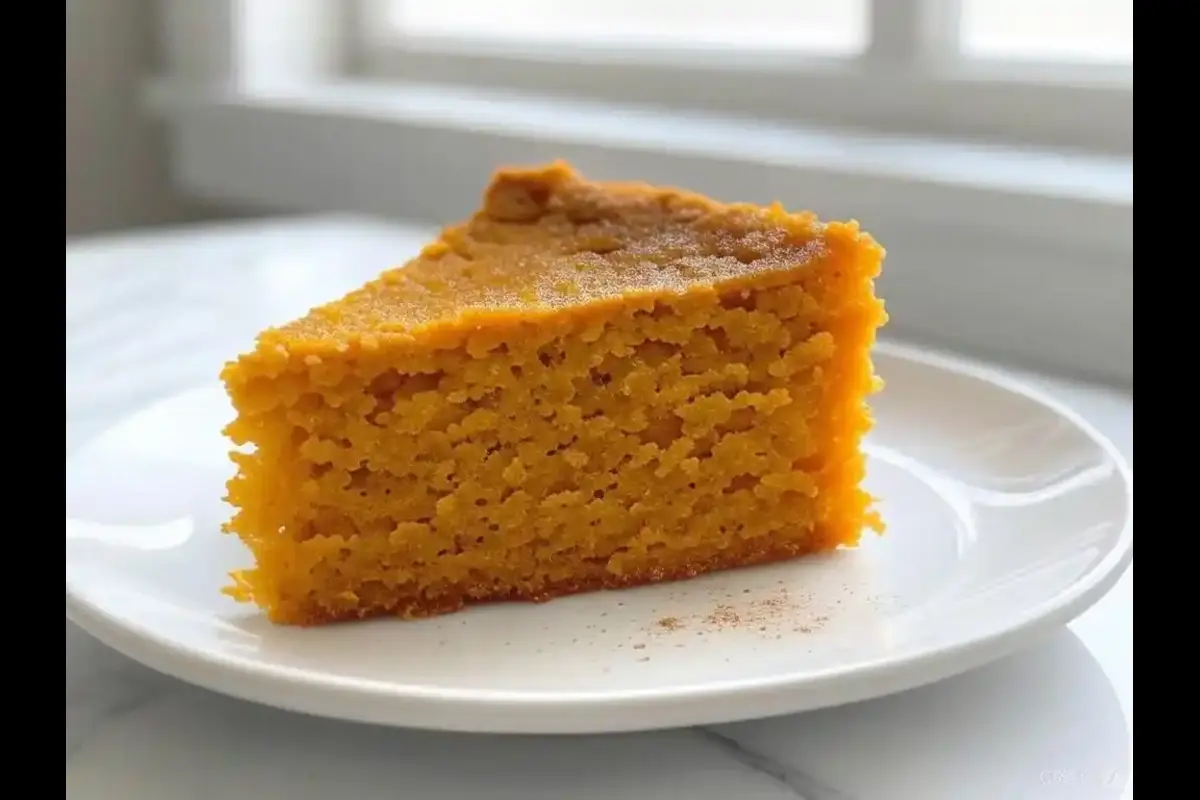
1017	254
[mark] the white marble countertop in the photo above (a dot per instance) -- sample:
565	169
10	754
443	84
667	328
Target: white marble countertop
1055	721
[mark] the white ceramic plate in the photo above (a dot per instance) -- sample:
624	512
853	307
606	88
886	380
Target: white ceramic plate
1008	516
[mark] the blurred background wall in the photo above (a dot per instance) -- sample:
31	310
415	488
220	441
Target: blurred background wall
992	155
116	160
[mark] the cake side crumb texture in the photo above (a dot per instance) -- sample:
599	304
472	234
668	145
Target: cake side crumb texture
585	385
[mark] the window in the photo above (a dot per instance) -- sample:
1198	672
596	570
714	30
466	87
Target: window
987	143
814	26
1041	72
1080	31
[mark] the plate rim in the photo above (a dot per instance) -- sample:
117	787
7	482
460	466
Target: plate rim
498	710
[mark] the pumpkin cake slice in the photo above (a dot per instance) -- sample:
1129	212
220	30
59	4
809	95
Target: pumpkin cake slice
585	385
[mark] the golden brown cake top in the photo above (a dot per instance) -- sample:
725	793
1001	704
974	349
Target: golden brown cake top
546	238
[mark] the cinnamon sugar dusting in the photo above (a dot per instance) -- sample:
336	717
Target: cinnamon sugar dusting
724	615
779	611
772	612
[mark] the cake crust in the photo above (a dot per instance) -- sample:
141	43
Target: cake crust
547	242
585	385
592	580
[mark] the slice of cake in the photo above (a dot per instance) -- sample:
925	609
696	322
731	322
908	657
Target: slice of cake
584	386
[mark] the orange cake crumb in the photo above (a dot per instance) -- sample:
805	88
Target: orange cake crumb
586	385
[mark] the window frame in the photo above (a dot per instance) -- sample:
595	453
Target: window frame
1017	252
911	79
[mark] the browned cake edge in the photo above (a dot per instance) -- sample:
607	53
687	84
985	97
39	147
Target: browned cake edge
410	607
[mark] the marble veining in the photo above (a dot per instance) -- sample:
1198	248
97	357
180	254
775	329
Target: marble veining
804	785
1053	722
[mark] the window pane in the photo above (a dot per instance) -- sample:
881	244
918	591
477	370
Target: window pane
817	26
1062	30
